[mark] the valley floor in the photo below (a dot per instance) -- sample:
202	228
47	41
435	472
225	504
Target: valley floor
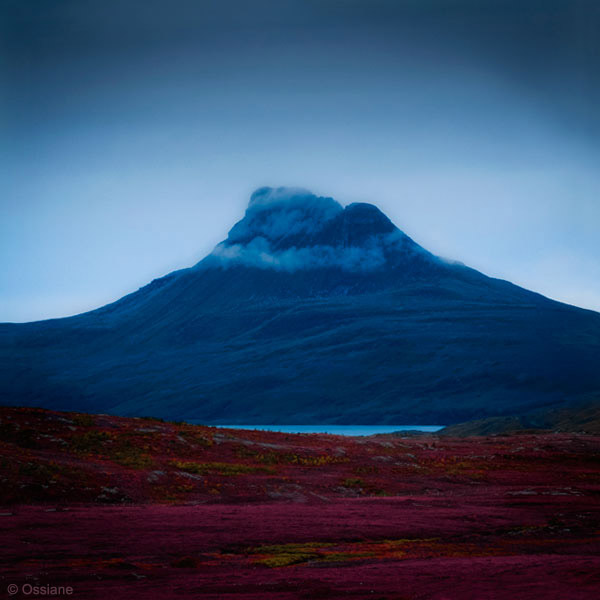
137	508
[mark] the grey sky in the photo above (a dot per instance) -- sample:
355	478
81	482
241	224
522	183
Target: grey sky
134	133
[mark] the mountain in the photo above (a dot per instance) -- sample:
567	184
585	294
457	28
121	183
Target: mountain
310	312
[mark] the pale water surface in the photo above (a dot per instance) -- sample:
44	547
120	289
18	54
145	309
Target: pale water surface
337	429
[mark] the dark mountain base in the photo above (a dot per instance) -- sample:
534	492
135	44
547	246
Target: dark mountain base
386	358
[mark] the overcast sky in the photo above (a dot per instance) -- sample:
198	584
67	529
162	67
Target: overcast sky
133	132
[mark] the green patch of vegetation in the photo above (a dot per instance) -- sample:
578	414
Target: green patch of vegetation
457	466
353	482
83	420
285	560
289	548
218	468
119	449
156	419
197	438
90	442
49	472
130	456
283	555
345	556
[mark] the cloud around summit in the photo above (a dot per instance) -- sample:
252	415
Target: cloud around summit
260	254
276	215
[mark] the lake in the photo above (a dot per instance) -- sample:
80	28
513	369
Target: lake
337	429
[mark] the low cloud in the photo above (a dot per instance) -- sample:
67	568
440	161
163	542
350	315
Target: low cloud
282	229
259	253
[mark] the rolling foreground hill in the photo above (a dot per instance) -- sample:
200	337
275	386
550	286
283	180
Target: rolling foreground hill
311	313
139	508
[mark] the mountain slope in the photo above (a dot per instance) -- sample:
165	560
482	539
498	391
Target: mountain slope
310	312
584	418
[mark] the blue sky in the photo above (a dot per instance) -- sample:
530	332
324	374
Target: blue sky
135	132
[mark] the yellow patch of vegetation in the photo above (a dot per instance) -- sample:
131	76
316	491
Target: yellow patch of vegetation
197	438
102	443
346	556
286	559
283	555
219	468
290	458
130	456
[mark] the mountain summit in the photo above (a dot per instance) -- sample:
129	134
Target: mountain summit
311	312
291	229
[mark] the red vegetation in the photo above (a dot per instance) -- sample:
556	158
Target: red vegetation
138	508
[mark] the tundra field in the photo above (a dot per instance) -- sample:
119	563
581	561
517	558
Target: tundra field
119	507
